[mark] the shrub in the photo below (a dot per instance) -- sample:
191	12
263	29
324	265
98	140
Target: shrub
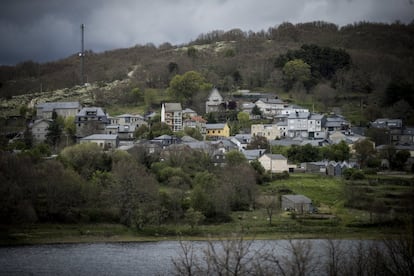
353	174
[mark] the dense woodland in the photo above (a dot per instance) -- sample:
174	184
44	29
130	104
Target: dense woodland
371	66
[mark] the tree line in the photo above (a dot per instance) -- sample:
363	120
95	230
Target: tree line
85	184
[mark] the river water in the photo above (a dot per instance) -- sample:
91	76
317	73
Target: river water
144	258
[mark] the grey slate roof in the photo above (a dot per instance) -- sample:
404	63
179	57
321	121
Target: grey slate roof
299	115
100	137
271	101
253	154
215	126
85	110
299	199
58	105
169	107
316	116
129	116
276	156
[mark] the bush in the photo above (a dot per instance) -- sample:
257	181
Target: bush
353	174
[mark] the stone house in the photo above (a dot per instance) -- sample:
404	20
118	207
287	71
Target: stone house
270	106
275	163
269	131
39	130
125	125
62	109
105	141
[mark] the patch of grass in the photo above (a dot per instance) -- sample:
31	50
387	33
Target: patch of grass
320	189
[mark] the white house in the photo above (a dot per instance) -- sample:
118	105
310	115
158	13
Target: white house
298	124
214	101
275	163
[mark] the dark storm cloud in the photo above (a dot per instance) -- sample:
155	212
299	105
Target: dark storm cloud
48	30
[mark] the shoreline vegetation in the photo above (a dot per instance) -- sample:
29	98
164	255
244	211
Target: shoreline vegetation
39	234
338	217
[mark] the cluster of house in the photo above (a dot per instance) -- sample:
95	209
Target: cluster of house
93	124
291	125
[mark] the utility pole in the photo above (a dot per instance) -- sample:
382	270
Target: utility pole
82	55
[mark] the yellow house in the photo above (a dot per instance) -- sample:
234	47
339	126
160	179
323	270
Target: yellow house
217	130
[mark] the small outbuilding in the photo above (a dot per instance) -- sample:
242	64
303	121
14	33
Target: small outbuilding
298	203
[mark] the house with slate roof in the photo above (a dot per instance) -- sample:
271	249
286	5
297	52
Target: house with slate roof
125	125
275	163
270	106
62	109
105	141
90	120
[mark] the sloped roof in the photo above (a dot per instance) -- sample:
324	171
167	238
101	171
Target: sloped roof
214	94
100	137
169	107
299	115
130	116
187	139
316	116
253	154
58	105
276	156
271	101
215	126
188	110
299	199
98	110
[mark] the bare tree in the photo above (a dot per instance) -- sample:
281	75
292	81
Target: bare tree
302	259
230	257
187	261
271	205
336	258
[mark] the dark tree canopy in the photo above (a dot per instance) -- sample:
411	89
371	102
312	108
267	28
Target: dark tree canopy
324	61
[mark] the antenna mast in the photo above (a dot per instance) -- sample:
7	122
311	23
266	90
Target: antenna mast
82	55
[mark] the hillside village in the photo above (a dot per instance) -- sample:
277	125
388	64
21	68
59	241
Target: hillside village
288	125
214	137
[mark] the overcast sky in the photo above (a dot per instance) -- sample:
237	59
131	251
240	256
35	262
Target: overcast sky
45	30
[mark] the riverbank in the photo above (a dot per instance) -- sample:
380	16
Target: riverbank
101	233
